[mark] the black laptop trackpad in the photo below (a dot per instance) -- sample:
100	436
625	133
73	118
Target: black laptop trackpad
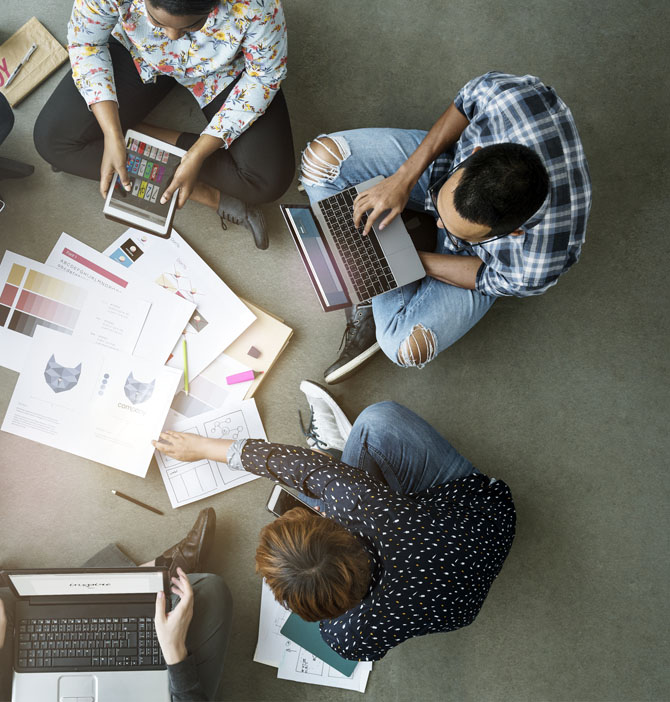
76	687
422	228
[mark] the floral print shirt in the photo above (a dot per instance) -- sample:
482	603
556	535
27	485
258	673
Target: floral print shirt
245	37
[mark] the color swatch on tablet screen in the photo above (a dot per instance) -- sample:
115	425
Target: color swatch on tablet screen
30	299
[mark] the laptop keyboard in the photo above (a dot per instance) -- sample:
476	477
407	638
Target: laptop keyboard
106	642
363	257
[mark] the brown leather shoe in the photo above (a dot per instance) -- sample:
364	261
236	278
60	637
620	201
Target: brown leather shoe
190	553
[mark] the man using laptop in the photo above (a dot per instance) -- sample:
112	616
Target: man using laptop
503	171
193	636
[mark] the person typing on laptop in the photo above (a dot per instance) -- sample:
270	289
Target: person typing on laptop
193	636
504	173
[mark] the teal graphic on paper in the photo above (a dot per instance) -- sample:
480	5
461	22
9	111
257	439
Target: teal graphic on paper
308	635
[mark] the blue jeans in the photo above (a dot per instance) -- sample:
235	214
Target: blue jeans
445	310
397	447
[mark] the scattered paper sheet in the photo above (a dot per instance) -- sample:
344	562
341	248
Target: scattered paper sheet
189	482
37	296
300	665
210	391
103	405
293	662
168	316
271	644
220	316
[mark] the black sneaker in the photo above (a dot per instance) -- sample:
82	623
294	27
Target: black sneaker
359	345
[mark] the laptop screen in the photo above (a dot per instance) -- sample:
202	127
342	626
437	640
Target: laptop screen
86	583
316	256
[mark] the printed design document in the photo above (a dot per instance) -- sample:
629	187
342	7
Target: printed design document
189	482
35	296
168	316
220	316
103	405
210	391
294	662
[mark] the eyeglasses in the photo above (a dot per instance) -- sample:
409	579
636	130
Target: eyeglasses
458	243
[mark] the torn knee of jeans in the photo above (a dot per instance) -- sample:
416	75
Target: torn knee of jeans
322	158
418	348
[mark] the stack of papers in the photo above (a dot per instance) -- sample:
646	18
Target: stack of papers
97	338
291	660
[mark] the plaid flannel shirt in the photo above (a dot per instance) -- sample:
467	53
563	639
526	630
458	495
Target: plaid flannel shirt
521	109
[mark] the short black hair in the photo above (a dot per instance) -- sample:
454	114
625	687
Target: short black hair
185	7
502	186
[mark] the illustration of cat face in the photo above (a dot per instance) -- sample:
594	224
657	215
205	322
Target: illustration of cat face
136	391
59	378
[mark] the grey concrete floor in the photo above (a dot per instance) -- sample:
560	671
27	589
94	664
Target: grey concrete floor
564	396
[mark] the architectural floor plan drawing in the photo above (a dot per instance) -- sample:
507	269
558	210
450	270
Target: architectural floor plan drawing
189	482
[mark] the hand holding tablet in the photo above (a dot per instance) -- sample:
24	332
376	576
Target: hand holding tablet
150	165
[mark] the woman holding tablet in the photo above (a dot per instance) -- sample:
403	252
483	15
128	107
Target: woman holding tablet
126	56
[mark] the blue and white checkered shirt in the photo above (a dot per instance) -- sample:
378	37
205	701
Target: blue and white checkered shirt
521	109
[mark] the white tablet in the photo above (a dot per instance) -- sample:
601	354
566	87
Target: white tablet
151	164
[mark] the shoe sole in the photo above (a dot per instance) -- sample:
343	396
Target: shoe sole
316	390
348	369
207	538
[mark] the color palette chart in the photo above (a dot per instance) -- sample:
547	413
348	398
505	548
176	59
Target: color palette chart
30	299
147	163
34	296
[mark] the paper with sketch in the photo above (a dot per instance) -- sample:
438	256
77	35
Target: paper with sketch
220	316
168	316
271	644
294	662
300	665
210	391
189	482
38	296
103	405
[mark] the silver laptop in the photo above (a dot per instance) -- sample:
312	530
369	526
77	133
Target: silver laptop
87	635
344	266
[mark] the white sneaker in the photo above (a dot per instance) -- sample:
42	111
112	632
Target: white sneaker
328	427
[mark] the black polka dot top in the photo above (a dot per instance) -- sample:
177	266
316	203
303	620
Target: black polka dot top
435	553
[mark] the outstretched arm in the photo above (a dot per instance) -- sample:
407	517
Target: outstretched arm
192	447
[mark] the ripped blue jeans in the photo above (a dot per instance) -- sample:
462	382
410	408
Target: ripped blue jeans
438	312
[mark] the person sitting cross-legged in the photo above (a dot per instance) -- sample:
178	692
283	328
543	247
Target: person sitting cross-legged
503	172
414	534
127	55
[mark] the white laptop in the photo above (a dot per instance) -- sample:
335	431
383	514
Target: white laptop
87	635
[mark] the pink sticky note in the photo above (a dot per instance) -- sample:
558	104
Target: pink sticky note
240	377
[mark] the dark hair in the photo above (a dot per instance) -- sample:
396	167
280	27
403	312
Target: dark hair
185	7
313	565
502	186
